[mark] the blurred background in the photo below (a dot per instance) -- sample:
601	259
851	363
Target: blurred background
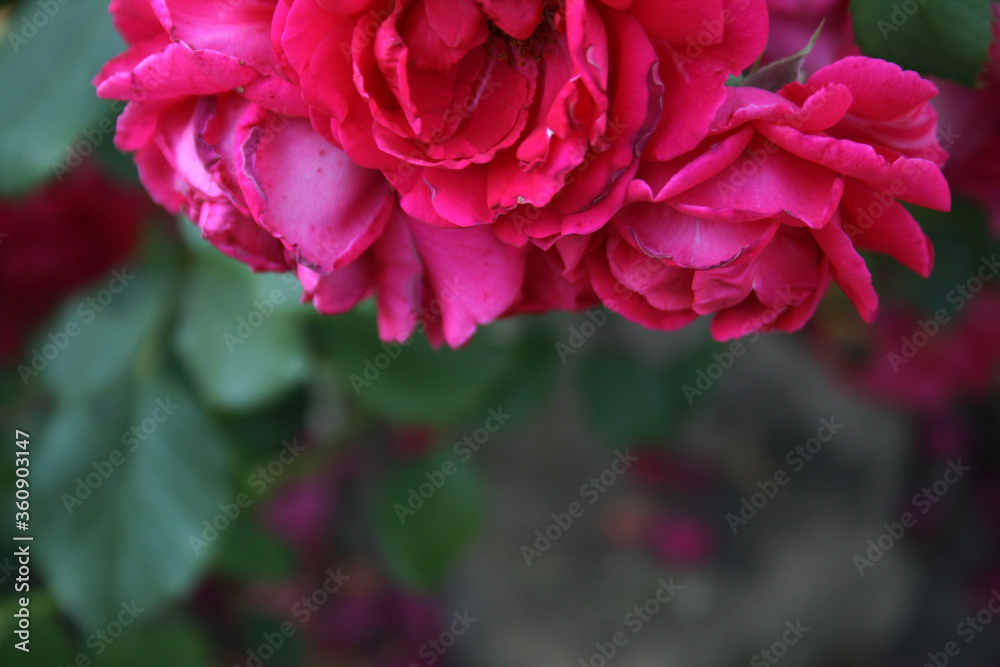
218	476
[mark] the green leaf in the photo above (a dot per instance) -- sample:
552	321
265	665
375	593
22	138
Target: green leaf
48	100
250	553
259	431
422	535
527	385
414	382
122	482
685	374
176	642
99	332
948	38
624	400
240	334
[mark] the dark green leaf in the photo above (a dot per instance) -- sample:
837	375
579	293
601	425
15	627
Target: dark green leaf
240	334
947	38
260	430
159	644
120	495
250	553
527	386
427	514
624	400
685	375
98	334
48	101
413	382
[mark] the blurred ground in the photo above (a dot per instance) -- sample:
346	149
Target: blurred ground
792	562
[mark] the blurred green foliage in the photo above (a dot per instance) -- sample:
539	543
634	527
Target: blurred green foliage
947	38
48	107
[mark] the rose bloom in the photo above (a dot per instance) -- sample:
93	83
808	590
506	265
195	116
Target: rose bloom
969	117
411	150
754	223
59	238
473	159
527	113
221	134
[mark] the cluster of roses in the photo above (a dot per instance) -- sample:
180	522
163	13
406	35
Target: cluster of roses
464	160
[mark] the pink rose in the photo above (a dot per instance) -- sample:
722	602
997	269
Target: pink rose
221	134
364	145
527	113
774	204
460	160
969	117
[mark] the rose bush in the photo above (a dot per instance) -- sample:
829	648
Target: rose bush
459	160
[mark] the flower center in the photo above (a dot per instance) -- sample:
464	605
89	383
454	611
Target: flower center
532	48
